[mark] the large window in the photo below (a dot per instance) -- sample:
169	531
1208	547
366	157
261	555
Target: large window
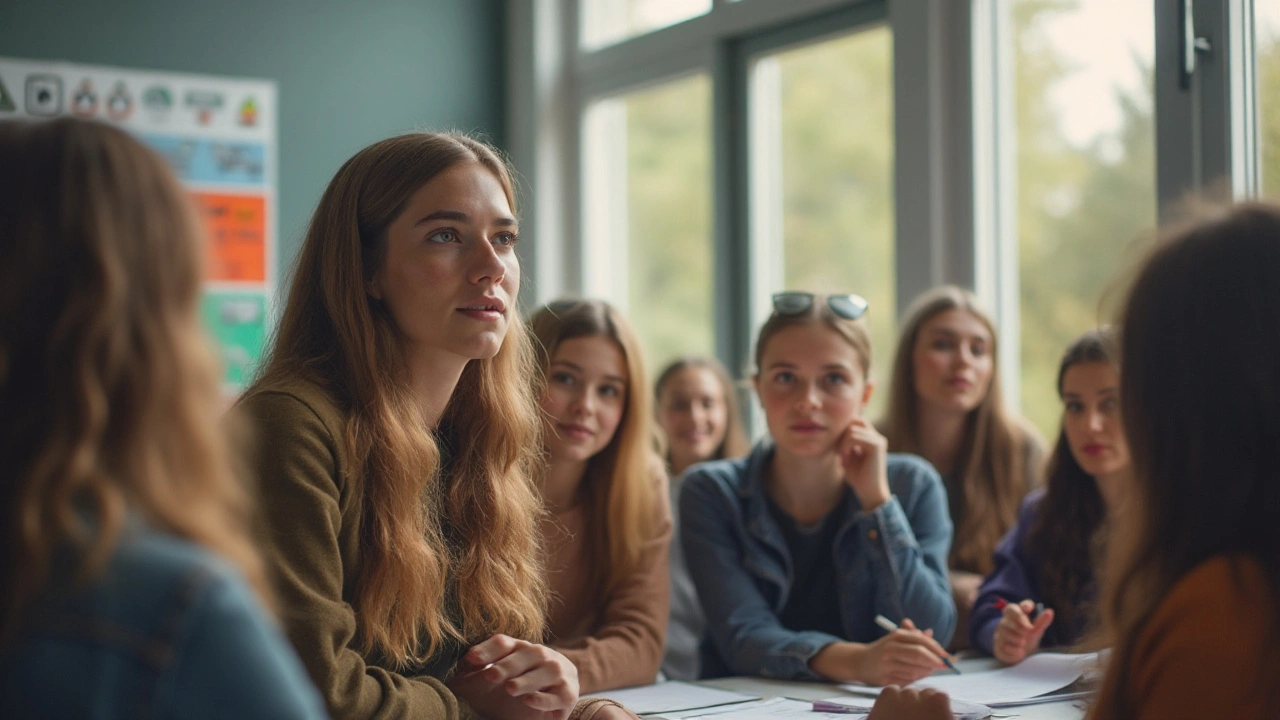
823	172
697	155
1085	172
647	219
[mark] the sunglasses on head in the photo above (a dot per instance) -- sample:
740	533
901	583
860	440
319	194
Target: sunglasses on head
849	307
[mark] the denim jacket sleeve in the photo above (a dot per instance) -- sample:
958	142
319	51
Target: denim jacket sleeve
232	659
908	539
742	624
1011	579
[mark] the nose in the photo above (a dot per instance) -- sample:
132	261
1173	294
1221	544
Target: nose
583	404
1096	421
487	267
809	397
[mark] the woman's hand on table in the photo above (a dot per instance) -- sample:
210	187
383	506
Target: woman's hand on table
899	658
516	679
1018	635
897	703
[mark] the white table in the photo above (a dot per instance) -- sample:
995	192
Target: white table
1066	710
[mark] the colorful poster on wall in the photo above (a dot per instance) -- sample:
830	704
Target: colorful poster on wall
219	136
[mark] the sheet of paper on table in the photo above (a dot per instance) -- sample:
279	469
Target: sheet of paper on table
960	709
771	709
1023	683
671	697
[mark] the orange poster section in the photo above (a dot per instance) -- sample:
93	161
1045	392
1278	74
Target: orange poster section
236	227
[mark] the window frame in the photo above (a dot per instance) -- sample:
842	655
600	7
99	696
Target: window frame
954	219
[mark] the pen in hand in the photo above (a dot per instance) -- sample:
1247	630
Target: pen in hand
890	626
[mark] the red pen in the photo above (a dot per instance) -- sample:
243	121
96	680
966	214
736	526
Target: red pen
1001	603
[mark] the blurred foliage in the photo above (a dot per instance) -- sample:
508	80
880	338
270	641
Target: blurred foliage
1083	213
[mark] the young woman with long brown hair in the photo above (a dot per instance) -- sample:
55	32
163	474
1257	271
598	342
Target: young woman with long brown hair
1191	585
400	441
609	523
131	587
1050	555
697	410
796	548
946	405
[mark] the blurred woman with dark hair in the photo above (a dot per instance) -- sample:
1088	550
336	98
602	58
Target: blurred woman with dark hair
1047	560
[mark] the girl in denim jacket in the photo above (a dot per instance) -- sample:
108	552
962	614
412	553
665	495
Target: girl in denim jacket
797	548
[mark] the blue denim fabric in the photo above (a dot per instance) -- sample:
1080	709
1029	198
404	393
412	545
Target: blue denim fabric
167	631
892	561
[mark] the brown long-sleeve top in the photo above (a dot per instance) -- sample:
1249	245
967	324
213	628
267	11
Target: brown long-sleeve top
1203	654
312	548
615	641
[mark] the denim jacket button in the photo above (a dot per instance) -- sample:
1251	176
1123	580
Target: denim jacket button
872	534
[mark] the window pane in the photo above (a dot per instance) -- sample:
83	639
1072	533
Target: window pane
647	223
605	22
1267	45
1085	172
822	177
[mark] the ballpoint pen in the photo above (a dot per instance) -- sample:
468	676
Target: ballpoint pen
890	626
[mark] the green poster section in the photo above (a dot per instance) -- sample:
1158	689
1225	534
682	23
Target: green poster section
237	321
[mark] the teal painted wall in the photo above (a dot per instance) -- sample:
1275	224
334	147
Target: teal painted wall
347	72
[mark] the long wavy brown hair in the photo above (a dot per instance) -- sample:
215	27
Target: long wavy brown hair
989	484
619	489
109	388
335	335
1202	417
735	443
1066	533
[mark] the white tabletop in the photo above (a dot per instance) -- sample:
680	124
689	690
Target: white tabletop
1065	710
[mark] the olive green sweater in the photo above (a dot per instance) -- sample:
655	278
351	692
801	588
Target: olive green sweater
312	548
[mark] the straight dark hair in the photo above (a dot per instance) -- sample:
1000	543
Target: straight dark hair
1200	350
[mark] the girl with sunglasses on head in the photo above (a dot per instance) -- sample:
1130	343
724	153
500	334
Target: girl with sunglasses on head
609	523
1047	560
131	584
1190	588
400	443
798	547
697	409
945	404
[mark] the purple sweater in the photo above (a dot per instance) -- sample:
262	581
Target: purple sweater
1016	577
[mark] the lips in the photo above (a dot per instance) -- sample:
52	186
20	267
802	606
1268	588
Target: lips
573	431
806	428
1093	449
486	309
959	383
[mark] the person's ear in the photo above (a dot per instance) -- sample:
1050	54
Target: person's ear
374	288
866	392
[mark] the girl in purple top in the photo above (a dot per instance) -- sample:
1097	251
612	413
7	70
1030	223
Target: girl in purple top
1046	560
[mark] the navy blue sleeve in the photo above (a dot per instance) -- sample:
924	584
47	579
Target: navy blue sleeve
1012	579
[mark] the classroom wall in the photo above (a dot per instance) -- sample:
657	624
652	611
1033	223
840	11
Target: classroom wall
347	72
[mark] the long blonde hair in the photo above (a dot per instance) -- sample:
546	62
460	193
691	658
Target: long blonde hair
108	387
620	492
989	482
332	333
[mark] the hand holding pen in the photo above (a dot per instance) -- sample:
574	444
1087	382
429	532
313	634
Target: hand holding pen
1020	630
910	634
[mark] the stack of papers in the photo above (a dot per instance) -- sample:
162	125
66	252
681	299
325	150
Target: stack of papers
1034	680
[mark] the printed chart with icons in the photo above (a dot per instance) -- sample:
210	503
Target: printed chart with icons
219	135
